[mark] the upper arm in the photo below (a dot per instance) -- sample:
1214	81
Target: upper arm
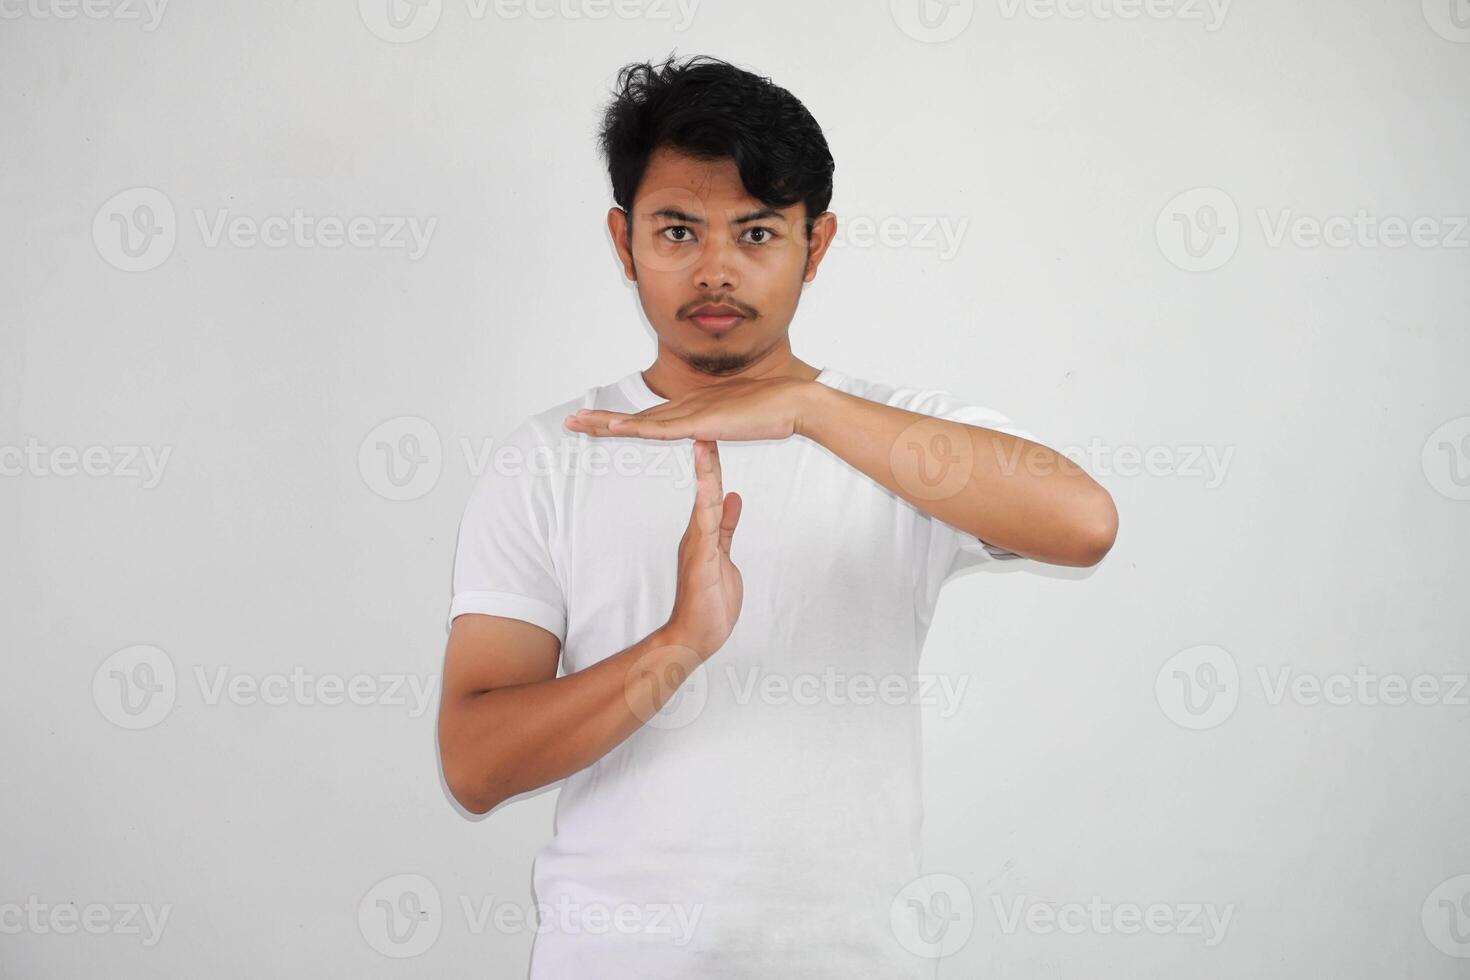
952	549
507	612
486	652
505	561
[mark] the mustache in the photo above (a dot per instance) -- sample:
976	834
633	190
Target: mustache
688	308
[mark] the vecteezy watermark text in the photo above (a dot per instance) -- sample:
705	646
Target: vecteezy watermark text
1200	687
405	21
95	918
839	688
136	687
403	915
1210	13
1205	920
1200	230
143	463
149	12
137	229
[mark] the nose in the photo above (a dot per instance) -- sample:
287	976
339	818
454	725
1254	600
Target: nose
715	269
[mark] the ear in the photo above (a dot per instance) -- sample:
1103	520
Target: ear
618	227
824	229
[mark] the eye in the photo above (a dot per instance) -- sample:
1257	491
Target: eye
679	228
769	233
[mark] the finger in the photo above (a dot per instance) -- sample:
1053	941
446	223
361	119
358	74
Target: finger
729	518
675	428
711	495
714	465
659	411
701	492
602	416
592	423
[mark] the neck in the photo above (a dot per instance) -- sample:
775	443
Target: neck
671	377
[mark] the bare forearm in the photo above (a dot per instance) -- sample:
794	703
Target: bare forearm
1011	492
525	736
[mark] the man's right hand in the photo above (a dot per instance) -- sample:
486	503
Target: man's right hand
709	591
508	724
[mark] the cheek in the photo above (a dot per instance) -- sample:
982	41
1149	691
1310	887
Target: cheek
657	257
777	279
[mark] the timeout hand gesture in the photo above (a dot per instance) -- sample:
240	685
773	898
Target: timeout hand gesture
709	591
733	411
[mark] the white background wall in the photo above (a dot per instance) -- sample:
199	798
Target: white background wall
1302	511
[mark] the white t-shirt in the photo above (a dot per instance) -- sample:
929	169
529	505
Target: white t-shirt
764	823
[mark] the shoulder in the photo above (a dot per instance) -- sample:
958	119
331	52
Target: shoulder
924	399
929	400
544	427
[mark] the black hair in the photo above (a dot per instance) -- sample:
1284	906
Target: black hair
711	110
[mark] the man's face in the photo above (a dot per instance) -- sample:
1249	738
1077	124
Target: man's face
698	239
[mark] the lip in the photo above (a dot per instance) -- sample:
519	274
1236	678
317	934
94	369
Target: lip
717	323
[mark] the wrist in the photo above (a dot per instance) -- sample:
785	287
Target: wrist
813	403
689	646
671	634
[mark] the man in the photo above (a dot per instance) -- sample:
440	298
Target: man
742	794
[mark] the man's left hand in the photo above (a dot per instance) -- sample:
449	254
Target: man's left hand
738	410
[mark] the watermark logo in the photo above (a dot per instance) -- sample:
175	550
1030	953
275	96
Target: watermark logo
404	21
1199	687
1199	230
672	922
145	464
401	459
301	687
933	916
932	21
1208	463
1446	917
135	230
1204	920
148	12
401	916
666	688
1450	19
833	687
135	687
1210	13
404	915
932	458
941	234
1446	459
95	918
1362	229
1363	687
400	21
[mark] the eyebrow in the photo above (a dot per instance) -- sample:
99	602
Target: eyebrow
674	214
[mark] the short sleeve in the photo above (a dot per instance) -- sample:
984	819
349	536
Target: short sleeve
503	562
950	549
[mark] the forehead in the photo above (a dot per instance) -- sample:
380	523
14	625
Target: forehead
715	184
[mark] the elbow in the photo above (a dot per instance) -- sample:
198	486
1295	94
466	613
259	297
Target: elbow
468	774
467	791
1099	531
1085	535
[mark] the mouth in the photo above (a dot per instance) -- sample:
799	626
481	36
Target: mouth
716	319
716	324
